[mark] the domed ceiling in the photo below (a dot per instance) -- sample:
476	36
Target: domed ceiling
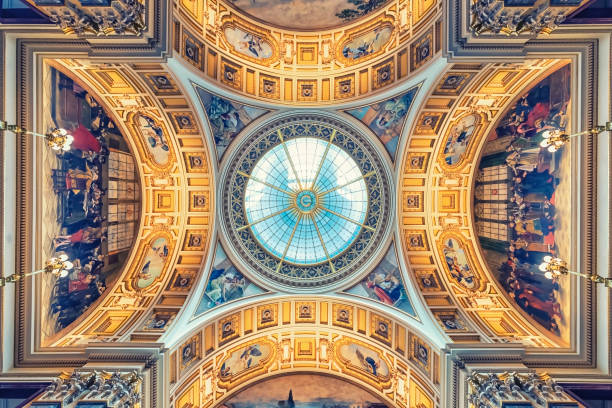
307	14
305	188
306	201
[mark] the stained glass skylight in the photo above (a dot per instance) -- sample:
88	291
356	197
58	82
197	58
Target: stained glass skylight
306	201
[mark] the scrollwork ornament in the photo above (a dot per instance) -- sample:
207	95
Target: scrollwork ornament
488	390
120	18
492	17
118	389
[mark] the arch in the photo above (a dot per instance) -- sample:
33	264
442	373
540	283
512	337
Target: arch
307	335
133	311
395	41
464	90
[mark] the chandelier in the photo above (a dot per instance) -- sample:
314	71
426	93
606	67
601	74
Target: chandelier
555	139
554	267
59	266
57	138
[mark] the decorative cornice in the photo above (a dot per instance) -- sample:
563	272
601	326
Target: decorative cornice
495	18
119	17
138	27
496	34
495	390
117	388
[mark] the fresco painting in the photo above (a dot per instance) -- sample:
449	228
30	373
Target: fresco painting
386	119
226	117
368	43
245	359
365	359
308	14
385	284
225	283
458	265
79	188
459	138
154	139
153	263
248	44
303	391
523	210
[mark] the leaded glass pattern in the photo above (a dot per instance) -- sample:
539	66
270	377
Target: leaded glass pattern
306	201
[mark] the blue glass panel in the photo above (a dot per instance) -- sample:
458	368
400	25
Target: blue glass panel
306	200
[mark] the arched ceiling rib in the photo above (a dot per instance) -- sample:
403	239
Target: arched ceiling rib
174	168
309	335
469	98
316	68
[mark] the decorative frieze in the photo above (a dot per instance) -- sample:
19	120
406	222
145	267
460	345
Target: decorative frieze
524	17
112	17
117	389
488	390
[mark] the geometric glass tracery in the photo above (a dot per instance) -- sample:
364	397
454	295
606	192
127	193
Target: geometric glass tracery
306	201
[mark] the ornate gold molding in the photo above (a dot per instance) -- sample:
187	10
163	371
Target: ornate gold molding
481	307
408	365
301	62
177	195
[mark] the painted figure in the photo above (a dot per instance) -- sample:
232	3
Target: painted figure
385	284
227	118
367	44
528	175
155	139
457	264
386	118
78	226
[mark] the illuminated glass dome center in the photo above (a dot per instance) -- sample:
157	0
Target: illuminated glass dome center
306	201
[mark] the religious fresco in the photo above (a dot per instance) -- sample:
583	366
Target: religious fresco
364	359
522	204
308	14
249	44
459	138
91	203
303	391
458	265
368	43
226	117
154	139
245	359
386	119
385	284
225	283
153	263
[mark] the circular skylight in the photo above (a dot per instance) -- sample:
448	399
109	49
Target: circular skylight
305	201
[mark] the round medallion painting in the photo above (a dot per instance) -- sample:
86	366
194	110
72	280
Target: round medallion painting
306	201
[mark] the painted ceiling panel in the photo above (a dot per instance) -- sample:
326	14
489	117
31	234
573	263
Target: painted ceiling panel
308	14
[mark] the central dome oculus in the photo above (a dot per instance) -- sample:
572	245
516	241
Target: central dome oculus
306	200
